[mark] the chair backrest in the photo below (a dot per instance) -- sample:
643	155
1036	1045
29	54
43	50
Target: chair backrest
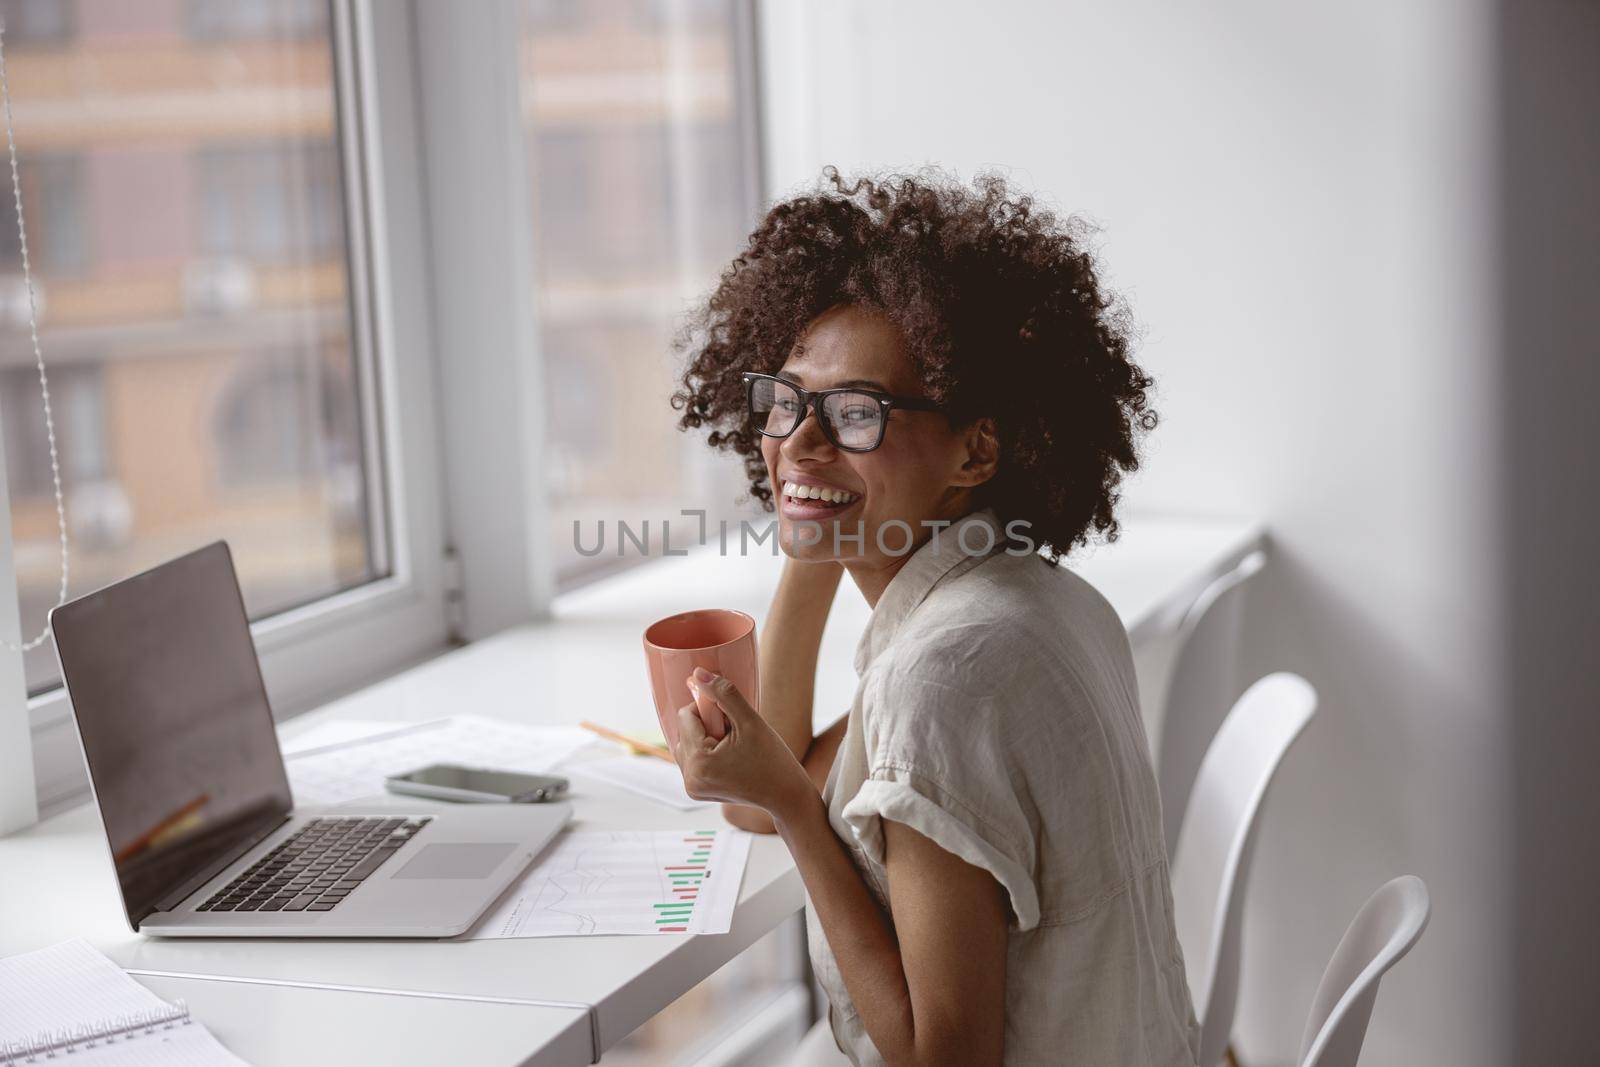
1201	688
1388	924
1212	861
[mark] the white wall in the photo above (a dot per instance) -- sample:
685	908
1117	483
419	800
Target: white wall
1298	203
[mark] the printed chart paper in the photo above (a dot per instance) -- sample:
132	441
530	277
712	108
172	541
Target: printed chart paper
341	773
647	776
626	882
342	733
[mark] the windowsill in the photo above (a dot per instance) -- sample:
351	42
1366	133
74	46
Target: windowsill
587	662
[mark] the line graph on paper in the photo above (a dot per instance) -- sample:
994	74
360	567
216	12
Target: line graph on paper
626	882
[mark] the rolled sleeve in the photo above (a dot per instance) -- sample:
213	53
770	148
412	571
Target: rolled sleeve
914	800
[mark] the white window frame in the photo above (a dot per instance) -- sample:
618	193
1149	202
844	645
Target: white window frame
485	330
312	653
486	262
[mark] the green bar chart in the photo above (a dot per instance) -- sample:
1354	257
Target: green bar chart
626	882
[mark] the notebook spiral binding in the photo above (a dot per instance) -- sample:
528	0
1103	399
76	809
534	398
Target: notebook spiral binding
52	1045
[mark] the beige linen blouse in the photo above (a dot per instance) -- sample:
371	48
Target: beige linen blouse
998	715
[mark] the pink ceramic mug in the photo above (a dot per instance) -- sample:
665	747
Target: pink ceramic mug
720	640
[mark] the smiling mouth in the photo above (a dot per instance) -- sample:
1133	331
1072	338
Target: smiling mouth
810	501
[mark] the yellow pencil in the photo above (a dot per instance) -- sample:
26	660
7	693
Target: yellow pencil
642	747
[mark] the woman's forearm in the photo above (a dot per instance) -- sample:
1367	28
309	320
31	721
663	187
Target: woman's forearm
790	642
860	934
789	647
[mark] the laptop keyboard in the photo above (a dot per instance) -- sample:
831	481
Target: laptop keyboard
316	867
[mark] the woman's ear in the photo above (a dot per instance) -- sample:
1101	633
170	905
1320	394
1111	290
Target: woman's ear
982	442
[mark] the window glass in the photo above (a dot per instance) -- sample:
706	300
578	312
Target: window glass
30	22
52	193
184	199
636	117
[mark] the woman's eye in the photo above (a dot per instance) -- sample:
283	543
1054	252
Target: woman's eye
858	413
789	406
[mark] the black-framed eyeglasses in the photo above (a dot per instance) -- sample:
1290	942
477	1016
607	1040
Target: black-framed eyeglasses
852	419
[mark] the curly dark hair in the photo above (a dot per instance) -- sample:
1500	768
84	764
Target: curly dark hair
1001	309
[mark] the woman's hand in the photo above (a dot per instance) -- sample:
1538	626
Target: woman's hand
751	765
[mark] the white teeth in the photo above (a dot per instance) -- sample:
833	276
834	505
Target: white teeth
818	492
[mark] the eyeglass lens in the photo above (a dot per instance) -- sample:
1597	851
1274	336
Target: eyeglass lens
856	419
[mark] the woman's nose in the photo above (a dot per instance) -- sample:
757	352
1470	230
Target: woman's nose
808	439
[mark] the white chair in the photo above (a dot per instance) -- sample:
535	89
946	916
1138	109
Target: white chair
1383	931
1201	687
1212	862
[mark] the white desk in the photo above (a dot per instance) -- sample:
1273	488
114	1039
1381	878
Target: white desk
296	1026
586	663
70	891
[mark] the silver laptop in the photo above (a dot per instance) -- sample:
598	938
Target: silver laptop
192	791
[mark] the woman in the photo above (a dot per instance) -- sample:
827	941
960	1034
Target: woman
933	385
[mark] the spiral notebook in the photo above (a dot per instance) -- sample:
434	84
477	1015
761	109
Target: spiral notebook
68	1003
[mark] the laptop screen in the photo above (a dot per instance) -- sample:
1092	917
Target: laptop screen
174	720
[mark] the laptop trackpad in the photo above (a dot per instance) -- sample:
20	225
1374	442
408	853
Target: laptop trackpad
464	860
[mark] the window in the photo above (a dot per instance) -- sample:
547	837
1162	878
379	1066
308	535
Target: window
235	216
270	203
602	212
78	399
642	161
215	193
38	22
52	203
236	20
195	309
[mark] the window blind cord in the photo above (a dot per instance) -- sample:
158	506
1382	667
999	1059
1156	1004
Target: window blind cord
38	355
